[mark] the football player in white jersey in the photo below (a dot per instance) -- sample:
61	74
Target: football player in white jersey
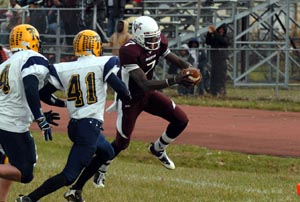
21	77
85	83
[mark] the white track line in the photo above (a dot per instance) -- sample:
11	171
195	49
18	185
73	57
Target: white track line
207	184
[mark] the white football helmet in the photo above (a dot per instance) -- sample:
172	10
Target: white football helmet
146	33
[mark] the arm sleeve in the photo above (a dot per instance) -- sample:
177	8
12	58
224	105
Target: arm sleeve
119	86
31	84
50	99
111	67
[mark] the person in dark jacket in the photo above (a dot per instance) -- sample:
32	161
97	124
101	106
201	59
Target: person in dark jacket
219	43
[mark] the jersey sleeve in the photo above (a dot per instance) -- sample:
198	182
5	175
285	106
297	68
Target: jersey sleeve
129	55
164	46
54	78
37	66
112	66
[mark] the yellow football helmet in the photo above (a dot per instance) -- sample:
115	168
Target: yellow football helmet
87	42
24	37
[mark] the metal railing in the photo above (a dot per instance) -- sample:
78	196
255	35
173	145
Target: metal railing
259	34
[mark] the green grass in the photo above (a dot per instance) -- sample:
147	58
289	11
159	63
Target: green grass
246	97
201	175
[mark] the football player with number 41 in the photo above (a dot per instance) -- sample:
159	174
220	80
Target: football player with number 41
138	58
84	82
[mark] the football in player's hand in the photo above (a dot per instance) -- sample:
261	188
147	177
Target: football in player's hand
194	74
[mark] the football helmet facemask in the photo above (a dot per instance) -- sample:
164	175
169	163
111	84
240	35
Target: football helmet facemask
146	33
87	42
24	37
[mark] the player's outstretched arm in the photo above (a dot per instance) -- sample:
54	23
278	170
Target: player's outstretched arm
46	95
140	78
33	99
119	86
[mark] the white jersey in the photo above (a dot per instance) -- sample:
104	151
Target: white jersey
84	84
15	114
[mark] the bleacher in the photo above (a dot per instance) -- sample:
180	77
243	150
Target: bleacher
182	20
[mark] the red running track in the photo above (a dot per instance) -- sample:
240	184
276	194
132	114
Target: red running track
243	130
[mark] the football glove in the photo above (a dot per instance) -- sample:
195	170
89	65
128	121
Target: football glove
51	116
45	127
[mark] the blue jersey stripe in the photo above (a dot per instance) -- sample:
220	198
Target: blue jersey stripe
35	60
53	72
110	64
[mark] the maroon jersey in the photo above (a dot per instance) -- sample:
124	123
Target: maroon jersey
133	56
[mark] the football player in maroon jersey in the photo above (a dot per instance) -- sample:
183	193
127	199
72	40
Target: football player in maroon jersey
138	58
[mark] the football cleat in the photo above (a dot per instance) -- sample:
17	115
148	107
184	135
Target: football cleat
23	199
99	179
162	157
73	196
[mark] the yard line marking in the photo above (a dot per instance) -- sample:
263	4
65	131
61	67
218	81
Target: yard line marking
207	184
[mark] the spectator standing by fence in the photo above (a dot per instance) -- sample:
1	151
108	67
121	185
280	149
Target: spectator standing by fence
119	37
219	43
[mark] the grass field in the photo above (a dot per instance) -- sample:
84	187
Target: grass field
265	98
201	175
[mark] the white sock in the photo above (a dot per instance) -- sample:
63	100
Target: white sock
162	142
104	167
